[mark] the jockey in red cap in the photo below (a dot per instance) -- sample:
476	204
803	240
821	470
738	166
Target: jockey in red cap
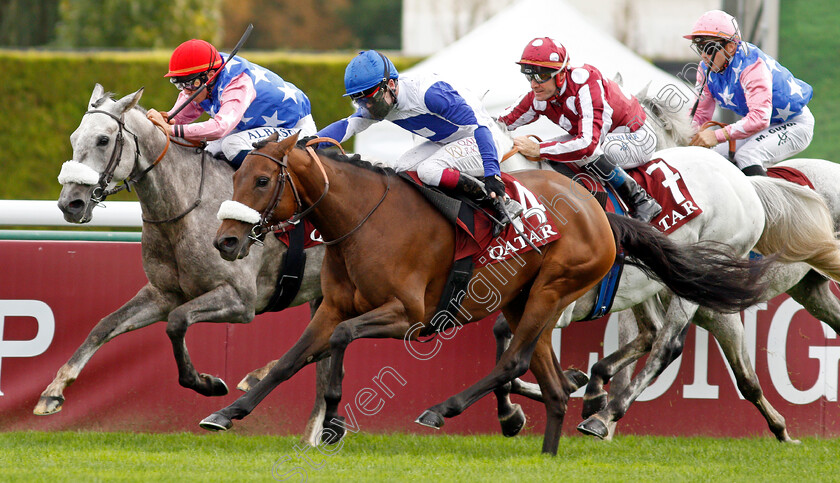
246	102
606	128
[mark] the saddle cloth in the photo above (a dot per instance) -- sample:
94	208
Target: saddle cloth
661	180
312	236
791	174
479	242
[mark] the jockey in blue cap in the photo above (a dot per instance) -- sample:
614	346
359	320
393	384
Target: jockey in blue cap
460	147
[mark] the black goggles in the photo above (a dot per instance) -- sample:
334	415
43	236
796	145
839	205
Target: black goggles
367	96
707	47
541	76
189	84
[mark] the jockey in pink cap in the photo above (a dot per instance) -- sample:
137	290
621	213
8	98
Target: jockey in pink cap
776	122
605	130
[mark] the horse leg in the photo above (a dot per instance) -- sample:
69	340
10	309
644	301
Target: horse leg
147	307
729	332
222	304
814	293
556	389
386	321
667	346
546	300
312	431
627	331
312	346
595	398
511	416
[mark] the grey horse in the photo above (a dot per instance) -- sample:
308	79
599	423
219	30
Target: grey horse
188	281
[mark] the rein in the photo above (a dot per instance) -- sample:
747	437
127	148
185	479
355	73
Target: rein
721	125
263	227
100	192
515	150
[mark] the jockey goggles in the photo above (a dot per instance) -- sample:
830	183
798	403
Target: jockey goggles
189	83
540	75
707	46
373	101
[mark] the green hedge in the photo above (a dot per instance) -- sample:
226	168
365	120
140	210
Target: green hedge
44	95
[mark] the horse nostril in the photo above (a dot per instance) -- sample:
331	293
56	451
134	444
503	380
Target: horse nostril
227	243
75	206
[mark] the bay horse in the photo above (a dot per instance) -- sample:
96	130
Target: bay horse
798	225
379	282
180	192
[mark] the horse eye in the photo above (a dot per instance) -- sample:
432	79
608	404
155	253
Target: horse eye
102	140
262	181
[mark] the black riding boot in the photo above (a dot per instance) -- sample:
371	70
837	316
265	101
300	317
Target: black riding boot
643	207
754	170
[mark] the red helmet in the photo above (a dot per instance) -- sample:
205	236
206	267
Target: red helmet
545	52
193	56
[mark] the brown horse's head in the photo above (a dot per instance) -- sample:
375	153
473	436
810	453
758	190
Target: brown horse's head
262	195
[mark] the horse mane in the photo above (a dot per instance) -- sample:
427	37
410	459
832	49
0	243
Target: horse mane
335	155
672	125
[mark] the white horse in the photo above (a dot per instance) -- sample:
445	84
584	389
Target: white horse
180	191
739	211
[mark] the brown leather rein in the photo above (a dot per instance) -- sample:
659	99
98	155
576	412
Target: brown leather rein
515	150
264	227
100	192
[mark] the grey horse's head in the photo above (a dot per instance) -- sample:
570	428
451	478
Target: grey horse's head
671	122
94	144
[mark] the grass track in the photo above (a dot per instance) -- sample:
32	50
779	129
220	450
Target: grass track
68	456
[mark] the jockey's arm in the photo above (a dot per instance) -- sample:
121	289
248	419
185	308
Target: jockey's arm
588	133
757	82
235	99
705	103
344	129
442	99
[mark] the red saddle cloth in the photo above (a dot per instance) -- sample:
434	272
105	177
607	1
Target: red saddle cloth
666	185
791	174
313	236
484	248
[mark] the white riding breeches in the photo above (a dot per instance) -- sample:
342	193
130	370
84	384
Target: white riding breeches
235	143
774	143
627	149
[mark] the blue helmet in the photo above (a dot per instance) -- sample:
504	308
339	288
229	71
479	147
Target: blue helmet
366	70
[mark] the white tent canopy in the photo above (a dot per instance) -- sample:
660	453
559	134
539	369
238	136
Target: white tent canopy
484	61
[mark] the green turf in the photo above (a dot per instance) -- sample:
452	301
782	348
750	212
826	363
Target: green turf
67	456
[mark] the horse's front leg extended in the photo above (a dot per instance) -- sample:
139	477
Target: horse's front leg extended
148	306
386	321
222	304
312	346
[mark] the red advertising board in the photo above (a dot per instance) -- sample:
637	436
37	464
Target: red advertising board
53	292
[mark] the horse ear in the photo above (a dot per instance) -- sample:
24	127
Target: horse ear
98	92
129	101
618	79
643	94
287	144
274	137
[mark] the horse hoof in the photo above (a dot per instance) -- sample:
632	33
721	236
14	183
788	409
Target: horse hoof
577	378
513	423
216	422
333	430
594	427
247	383
48	405
594	405
430	419
217	386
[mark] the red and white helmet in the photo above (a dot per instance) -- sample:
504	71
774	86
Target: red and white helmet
193	56
715	23
545	52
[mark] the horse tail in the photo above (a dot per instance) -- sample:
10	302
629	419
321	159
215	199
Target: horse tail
798	226
705	273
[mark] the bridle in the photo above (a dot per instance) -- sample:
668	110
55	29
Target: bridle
264	226
100	192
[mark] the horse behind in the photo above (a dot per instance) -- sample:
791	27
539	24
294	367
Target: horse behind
379	282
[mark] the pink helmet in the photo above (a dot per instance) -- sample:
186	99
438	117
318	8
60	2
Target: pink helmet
715	23
545	52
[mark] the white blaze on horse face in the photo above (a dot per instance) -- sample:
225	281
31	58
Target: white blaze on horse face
234	210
